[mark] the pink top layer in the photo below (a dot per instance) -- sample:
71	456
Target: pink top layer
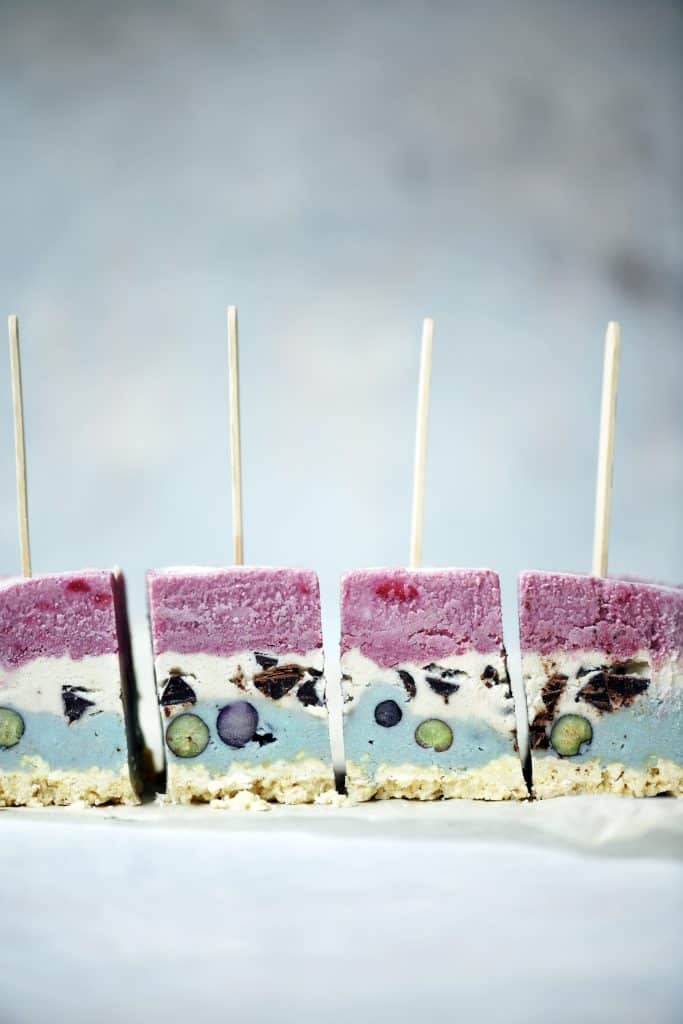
225	611
63	614
559	611
420	615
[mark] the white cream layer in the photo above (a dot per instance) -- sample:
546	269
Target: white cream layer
213	677
473	699
666	680
37	685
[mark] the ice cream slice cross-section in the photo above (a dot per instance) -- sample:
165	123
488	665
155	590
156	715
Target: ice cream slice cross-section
428	709
602	661
68	703
240	678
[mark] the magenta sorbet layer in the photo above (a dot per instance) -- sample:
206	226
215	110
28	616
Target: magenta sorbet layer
63	614
226	611
420	615
561	611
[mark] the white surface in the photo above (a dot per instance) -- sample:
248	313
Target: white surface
556	912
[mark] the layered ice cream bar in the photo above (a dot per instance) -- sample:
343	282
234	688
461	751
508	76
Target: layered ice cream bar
239	668
428	708
602	661
68	704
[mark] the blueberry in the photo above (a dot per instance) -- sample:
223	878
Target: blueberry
388	713
236	723
11	728
569	734
187	735
433	734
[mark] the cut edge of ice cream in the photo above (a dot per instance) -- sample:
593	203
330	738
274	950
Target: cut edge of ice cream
431	639
608	652
75	622
243	635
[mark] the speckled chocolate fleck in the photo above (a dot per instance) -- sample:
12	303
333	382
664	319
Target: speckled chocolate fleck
264	738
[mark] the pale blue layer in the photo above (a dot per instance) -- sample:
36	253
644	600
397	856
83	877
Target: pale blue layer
298	734
475	743
633	736
95	741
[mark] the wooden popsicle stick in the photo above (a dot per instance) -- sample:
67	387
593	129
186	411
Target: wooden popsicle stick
608	414
235	441
19	445
421	443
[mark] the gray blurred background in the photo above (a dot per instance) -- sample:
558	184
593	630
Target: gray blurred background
339	171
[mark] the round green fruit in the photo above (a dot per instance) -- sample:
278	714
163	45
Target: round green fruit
569	734
187	735
11	728
433	734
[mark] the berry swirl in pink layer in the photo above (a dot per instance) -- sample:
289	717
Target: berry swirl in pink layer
225	611
420	615
560	611
69	614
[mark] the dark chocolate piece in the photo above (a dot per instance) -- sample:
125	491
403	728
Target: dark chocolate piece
443	688
408	682
177	691
264	738
308	694
609	690
265	660
75	706
277	681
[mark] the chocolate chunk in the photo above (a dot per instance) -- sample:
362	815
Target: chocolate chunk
308	695
408	682
177	691
552	691
584	672
75	706
264	738
277	681
550	695
443	689
490	673
609	690
445	673
538	737
265	660
315	672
